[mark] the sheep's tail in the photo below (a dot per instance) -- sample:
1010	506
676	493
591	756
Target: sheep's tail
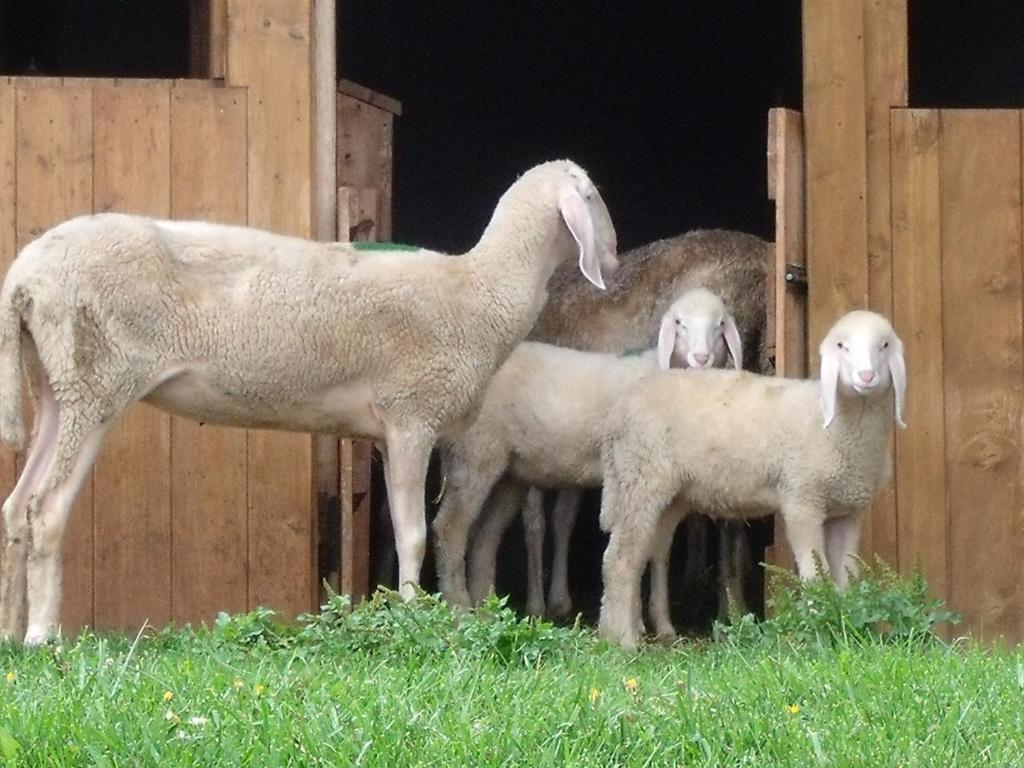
12	427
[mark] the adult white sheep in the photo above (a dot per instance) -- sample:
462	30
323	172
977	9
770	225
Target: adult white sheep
736	444
542	420
235	326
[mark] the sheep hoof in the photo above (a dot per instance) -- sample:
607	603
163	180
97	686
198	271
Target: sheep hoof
559	608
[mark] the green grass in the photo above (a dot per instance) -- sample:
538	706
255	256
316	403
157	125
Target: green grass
394	684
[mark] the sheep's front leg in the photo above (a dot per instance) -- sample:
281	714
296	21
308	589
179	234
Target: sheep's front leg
406	474
842	536
567	506
77	444
805	529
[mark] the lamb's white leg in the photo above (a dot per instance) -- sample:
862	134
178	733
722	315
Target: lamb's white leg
13	561
632	528
805	529
661	549
77	444
734	556
533	525
842	536
502	508
406	467
567	507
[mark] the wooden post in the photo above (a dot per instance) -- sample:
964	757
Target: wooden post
357	216
787	287
208	38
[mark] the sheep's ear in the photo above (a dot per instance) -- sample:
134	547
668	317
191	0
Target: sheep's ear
576	216
829	383
732	340
666	341
898	372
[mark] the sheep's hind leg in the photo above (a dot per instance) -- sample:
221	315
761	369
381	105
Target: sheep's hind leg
77	444
499	511
567	507
15	545
662	548
406	468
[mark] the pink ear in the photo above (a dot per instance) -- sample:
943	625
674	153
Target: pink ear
898	372
732	339
666	341
829	383
577	218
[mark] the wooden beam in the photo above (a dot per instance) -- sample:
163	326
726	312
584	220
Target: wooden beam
208	33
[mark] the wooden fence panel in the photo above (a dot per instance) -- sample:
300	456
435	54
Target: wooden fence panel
282	504
208	464
8	235
54	183
917	315
980	182
133	473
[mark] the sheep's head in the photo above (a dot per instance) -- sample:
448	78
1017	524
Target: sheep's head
697	328
583	213
862	356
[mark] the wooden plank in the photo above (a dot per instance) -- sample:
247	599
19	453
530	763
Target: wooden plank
885	45
980	171
133	474
917	315
209	522
786	159
325	225
270	51
835	129
54	183
8	235
355	206
365	136
208	27
373	98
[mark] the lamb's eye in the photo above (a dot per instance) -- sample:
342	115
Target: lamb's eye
678	321
841	345
720	323
885	345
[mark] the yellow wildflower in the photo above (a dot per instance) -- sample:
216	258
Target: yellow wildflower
9	677
631	685
793	708
594	695
168	695
259	689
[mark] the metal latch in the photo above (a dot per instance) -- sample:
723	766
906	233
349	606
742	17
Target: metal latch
796	274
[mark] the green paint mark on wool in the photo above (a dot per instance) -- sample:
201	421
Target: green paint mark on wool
635	352
374	246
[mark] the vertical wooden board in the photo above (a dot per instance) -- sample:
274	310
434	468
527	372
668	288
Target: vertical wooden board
208	27
209	525
834	125
917	316
980	171
270	52
133	473
8	236
365	135
885	46
54	183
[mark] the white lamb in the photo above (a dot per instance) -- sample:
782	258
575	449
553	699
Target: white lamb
230	325
736	444
541	423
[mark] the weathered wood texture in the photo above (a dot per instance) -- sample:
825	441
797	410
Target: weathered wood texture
787	300
270	51
918	214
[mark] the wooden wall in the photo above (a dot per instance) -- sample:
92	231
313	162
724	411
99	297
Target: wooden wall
175	513
918	214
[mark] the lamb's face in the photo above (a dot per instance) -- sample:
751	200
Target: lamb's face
696	328
862	357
